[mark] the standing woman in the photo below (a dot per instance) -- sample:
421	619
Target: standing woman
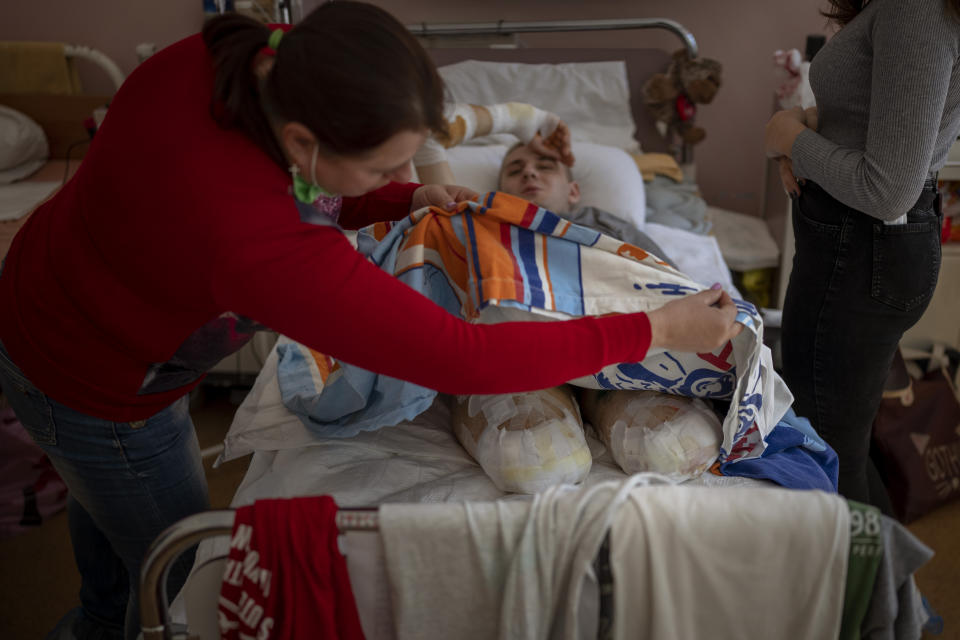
182	233
866	213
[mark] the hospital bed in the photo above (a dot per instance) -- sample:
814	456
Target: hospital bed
419	463
49	122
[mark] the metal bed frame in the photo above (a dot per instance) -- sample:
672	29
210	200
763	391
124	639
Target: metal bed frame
99	58
287	10
506	28
154	607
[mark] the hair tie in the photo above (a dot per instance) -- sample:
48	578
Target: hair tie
274	40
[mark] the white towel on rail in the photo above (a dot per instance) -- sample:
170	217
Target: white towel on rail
684	566
447	564
512	569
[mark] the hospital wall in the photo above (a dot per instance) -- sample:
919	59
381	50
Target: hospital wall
742	34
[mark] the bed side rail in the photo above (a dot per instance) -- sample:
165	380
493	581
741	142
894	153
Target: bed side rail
505	28
154	607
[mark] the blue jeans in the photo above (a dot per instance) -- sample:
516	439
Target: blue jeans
856	286
128	482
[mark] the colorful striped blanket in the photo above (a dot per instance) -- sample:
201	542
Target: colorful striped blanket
504	258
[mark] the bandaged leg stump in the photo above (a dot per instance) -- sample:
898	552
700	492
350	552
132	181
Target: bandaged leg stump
525	442
651	431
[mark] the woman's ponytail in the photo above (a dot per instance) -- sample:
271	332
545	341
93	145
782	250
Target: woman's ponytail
234	41
349	72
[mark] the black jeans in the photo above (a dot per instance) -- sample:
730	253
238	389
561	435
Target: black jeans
856	286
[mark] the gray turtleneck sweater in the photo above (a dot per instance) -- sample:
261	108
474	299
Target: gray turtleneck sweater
887	87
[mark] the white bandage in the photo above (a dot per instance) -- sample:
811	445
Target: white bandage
647	431
525	442
461	124
430	152
461	121
522	120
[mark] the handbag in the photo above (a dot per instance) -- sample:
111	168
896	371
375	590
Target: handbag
916	433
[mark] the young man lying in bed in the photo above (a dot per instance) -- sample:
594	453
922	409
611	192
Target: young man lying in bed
544	180
527	442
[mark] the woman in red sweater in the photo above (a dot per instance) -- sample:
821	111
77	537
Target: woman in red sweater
182	233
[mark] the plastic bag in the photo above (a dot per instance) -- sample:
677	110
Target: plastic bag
916	434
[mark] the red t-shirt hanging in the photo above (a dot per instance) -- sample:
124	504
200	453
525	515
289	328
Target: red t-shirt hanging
285	578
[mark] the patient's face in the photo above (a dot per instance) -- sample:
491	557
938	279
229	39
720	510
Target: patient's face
539	179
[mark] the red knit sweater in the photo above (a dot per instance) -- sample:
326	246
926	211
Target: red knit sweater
142	272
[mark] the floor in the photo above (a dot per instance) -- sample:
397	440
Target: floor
39	581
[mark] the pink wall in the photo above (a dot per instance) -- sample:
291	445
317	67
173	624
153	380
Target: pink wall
115	27
742	34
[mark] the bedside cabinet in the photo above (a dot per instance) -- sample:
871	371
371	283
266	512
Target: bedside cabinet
941	320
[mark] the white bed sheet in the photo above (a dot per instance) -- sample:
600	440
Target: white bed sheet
415	461
695	254
19	198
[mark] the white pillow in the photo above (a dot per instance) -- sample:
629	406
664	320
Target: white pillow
608	176
23	145
593	98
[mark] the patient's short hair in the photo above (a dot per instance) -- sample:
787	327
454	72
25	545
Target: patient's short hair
516	146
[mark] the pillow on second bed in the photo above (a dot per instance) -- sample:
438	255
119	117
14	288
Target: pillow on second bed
608	177
23	145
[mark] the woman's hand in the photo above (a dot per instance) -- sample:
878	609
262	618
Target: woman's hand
557	145
782	129
445	196
696	323
808	117
786	176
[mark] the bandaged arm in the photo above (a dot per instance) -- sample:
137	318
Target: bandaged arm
467	121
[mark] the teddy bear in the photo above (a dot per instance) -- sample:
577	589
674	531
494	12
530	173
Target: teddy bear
672	96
